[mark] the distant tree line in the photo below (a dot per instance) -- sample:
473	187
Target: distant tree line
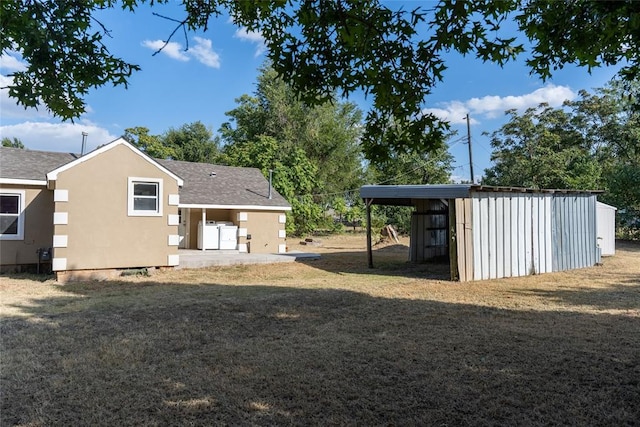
318	163
15	143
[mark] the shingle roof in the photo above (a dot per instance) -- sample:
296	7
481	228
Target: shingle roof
228	186
17	163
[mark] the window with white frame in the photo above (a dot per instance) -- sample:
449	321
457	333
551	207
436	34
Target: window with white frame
145	197
12	214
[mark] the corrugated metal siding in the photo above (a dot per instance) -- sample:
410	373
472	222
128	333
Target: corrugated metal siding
511	234
574	231
606	228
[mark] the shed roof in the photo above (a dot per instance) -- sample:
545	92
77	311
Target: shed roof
402	195
208	185
29	165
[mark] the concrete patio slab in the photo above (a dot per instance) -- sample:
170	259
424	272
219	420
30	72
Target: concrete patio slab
201	259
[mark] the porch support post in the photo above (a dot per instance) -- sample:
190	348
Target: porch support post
204	222
368	202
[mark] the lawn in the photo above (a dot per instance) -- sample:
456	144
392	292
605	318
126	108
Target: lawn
327	342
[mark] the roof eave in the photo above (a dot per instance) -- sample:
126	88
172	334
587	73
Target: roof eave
19	181
247	207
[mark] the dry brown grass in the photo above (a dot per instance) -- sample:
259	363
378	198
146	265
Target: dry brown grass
327	342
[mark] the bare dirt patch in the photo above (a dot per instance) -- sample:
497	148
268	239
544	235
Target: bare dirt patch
325	342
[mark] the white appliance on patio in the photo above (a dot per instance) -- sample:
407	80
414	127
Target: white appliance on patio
208	235
228	235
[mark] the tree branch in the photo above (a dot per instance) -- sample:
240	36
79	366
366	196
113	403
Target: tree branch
181	24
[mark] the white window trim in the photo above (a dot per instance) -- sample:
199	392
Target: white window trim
134	180
22	200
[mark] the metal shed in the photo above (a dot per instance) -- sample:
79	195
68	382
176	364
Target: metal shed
492	232
606	228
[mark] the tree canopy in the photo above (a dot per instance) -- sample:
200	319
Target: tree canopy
591	143
328	134
321	48
542	149
313	151
15	143
192	142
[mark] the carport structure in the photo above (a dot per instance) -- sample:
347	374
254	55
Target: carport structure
491	232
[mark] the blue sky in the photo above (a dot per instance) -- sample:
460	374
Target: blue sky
177	87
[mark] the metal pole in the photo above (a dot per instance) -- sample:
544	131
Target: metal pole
270	182
84	143
367	202
470	155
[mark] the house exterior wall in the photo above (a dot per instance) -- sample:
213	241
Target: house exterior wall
38	227
266	228
93	228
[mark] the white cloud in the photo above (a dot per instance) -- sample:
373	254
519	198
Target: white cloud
38	132
255	37
10	62
492	106
172	49
65	137
10	108
454	112
202	51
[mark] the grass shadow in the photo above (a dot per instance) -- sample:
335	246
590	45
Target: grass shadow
620	296
115	353
391	260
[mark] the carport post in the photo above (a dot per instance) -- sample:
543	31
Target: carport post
368	202
204	221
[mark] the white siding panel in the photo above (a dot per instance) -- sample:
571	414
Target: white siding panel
484	236
535	236
528	232
548	235
477	243
574	243
499	225
541	232
520	234
491	228
514	235
509	237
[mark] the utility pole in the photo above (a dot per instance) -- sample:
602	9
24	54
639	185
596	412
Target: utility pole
469	142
